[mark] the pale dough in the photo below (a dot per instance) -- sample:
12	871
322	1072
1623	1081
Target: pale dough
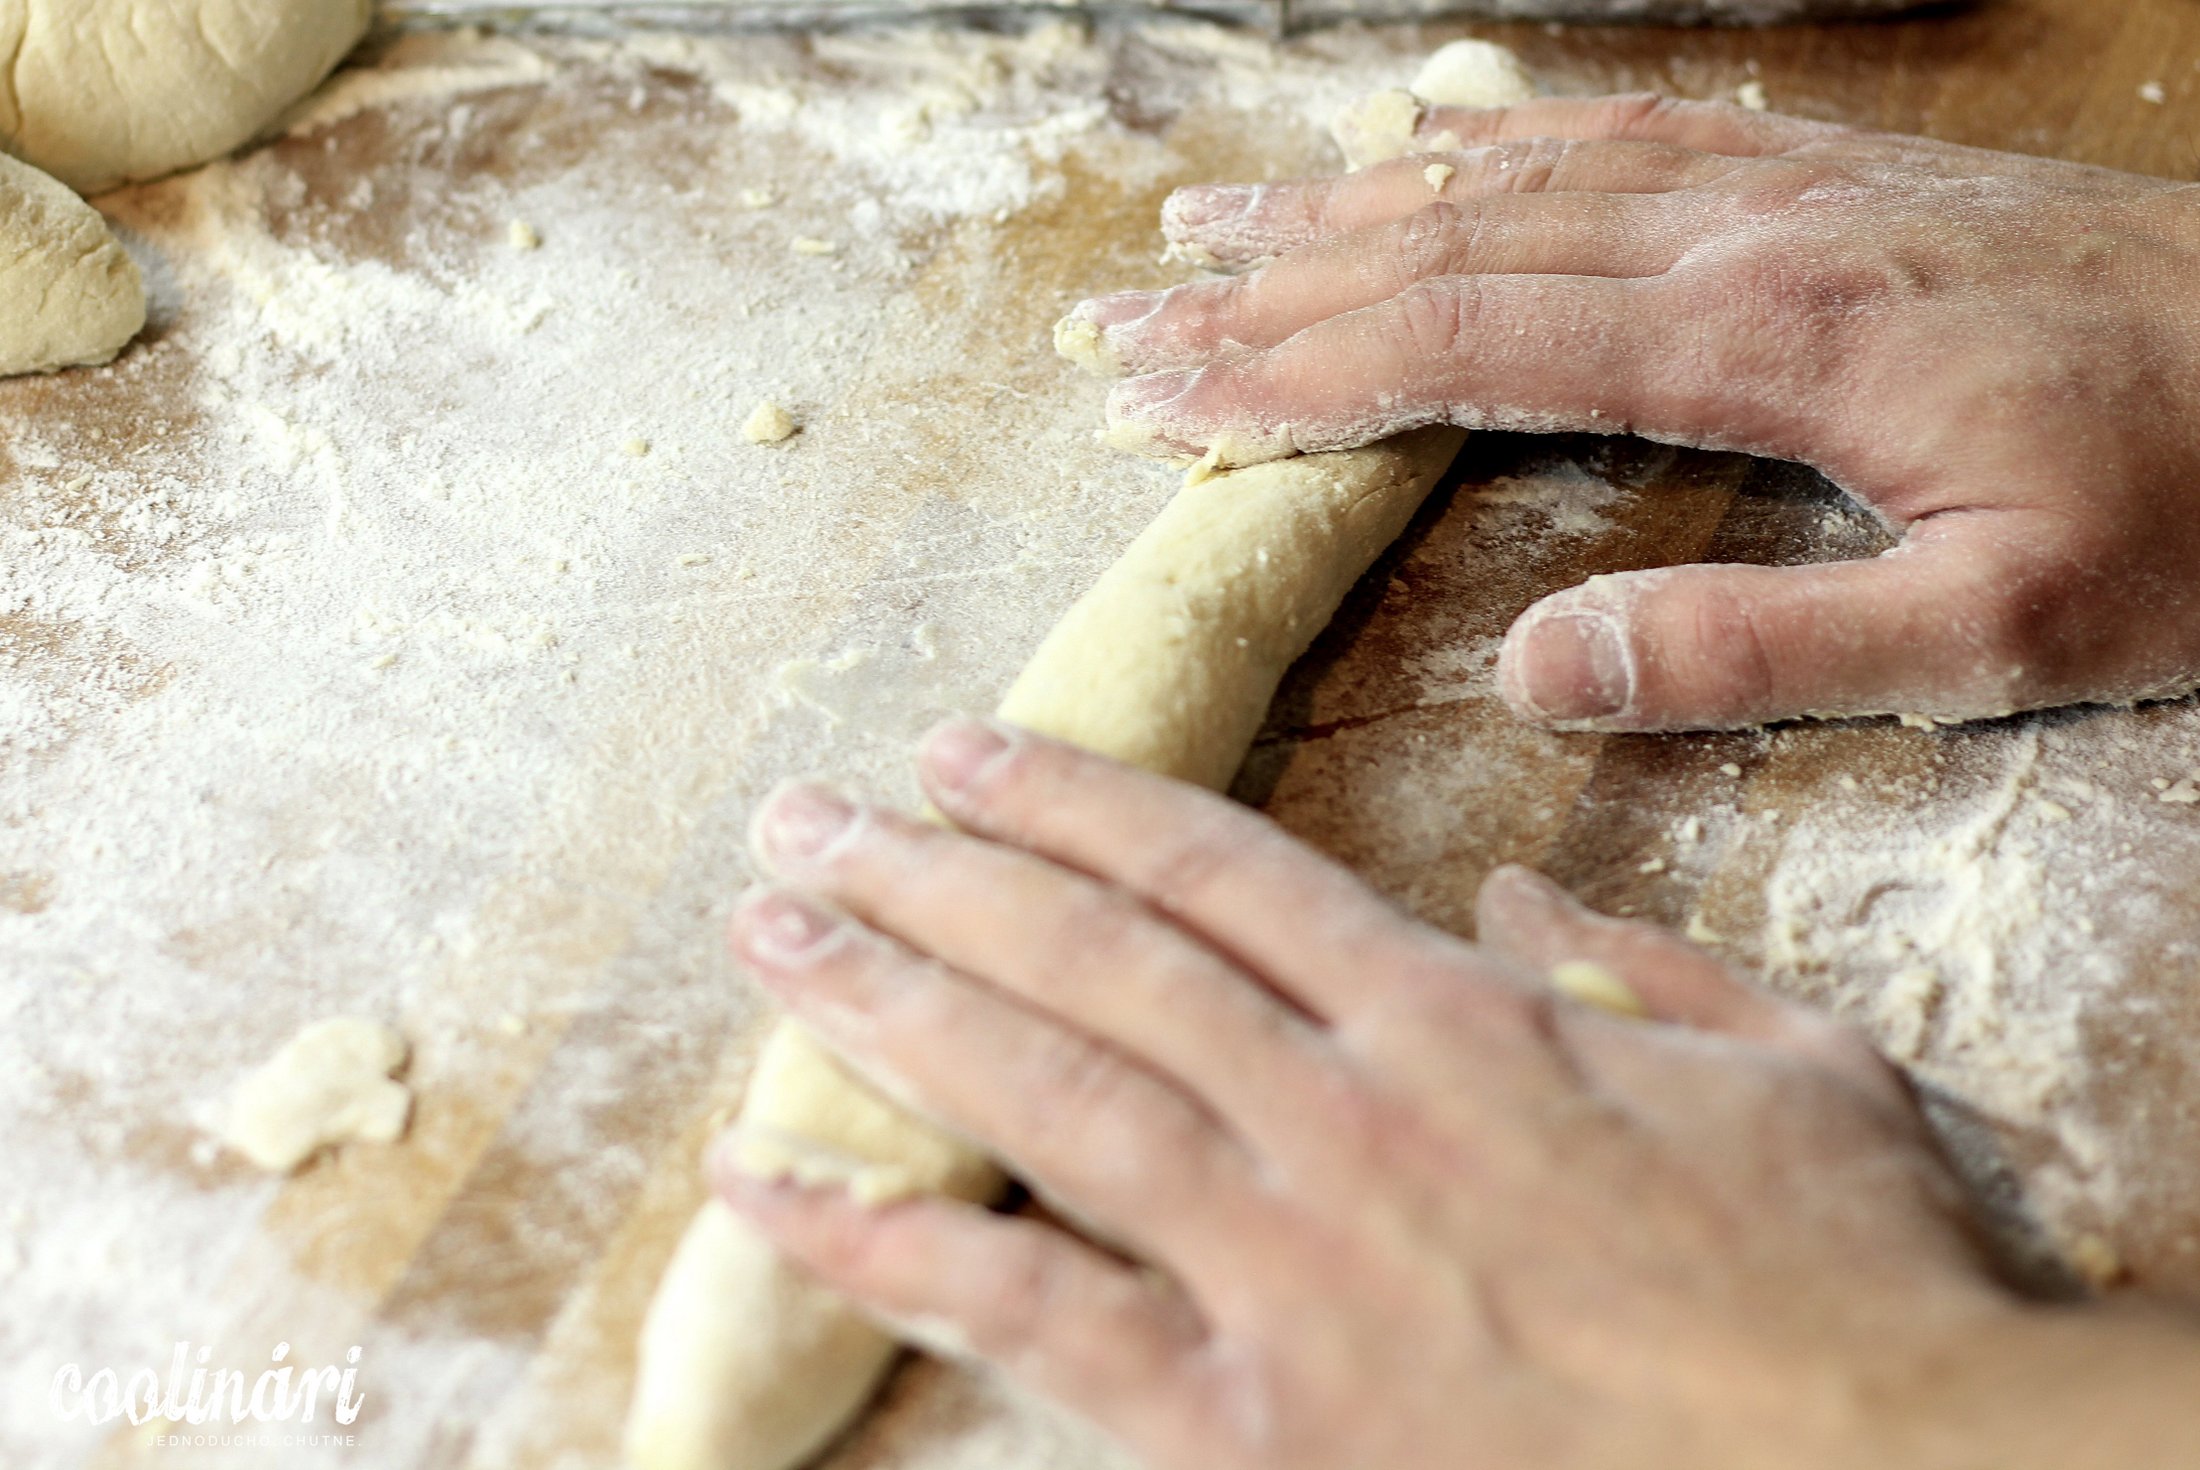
1381	127
330	1084
1169	662
69	295
768	423
102	92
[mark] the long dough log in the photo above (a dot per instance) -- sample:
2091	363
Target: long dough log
1169	663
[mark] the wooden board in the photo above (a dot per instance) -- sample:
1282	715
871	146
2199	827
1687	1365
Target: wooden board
584	1045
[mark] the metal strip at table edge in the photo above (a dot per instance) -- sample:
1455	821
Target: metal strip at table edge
595	17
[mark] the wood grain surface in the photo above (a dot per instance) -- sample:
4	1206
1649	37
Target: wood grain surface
477	1230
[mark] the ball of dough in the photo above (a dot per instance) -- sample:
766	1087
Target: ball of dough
103	92
69	296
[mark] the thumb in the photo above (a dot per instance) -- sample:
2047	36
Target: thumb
1936	626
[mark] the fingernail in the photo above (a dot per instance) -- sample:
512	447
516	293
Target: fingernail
1120	309
802	822
781	928
957	753
1137	397
1524	882
1205	204
1568	665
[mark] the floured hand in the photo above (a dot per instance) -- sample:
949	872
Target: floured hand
1999	354
1390	1199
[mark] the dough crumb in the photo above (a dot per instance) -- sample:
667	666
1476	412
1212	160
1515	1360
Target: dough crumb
329	1085
811	245
1699	932
2154	92
768	423
1730	770
1376	128
523	235
1079	340
2096	1258
1593	985
1752	96
1473	74
638	448
1438	175
757	199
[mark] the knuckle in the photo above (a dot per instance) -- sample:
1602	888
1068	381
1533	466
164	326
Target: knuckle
1536	165
1435	317
1026	1297
1791	185
1634	114
1774	318
1735	645
1431	241
1094	930
1087	1081
1185	872
1522	165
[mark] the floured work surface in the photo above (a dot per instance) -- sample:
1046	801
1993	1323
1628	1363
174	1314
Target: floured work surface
405	628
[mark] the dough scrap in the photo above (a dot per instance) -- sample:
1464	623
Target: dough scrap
69	295
1381	127
1593	985
330	1084
105	92
768	423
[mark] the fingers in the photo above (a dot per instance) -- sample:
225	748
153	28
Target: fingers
1101	1337
1556	234
1537	925
1229	876
1071	1117
1936	627
1087	953
1236	224
1705	127
1546	353
1540	927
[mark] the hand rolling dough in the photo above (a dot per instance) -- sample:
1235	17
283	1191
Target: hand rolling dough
103	92
1169	662
69	296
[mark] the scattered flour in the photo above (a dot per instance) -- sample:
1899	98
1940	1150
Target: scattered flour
347	664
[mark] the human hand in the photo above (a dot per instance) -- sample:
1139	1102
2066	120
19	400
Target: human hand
1397	1203
1998	354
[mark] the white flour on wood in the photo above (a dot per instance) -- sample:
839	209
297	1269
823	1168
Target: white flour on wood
351	662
